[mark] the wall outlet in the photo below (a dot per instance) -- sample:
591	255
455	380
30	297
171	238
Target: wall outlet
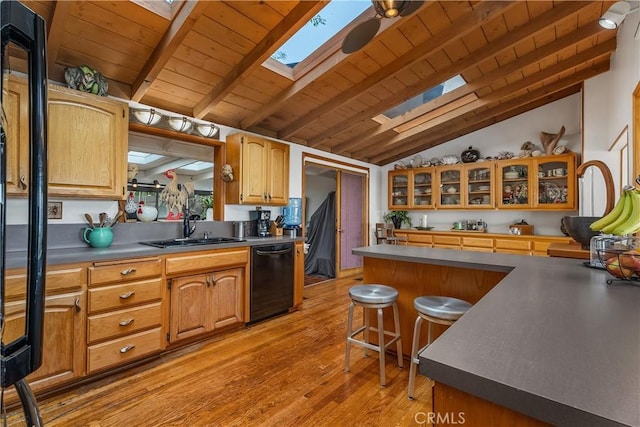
54	210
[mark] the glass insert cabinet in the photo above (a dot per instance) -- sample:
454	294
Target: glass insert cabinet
411	188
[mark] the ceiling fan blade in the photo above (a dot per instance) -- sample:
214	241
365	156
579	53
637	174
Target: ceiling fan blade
410	7
360	35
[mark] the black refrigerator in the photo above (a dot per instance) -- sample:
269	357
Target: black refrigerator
23	40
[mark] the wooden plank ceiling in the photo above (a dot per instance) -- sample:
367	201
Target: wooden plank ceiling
212	60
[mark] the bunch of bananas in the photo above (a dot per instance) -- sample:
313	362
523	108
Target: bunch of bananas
624	218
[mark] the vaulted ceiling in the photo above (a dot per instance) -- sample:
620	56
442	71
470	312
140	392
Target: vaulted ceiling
212	60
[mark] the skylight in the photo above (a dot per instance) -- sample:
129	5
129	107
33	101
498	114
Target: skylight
334	17
140	158
426	96
197	166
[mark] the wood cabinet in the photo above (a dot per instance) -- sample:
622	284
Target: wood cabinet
209	291
298	275
88	137
87	142
63	356
545	183
261	170
126	310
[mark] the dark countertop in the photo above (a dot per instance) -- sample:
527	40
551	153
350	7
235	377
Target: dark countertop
552	340
85	253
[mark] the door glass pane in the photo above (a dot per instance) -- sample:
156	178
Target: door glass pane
552	182
479	188
351	198
422	189
515	188
400	189
450	188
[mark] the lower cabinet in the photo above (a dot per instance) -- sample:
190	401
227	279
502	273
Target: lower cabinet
205	302
298	275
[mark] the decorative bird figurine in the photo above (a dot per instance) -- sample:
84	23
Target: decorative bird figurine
176	196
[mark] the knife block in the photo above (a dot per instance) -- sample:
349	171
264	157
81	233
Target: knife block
275	231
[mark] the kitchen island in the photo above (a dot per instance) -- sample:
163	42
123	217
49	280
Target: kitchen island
549	340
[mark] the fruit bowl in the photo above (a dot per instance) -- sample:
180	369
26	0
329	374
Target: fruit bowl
578	228
622	259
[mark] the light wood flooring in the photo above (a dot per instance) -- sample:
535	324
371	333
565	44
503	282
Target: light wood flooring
287	371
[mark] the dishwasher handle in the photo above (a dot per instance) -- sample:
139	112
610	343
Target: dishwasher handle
277	252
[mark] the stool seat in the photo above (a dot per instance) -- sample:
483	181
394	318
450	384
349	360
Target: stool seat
373	294
446	308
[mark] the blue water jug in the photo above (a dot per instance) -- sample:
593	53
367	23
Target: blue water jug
293	212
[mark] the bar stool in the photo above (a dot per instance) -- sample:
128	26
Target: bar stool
433	309
377	297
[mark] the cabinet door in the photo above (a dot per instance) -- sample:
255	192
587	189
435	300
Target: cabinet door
423	188
16	106
556	182
254	170
514	185
399	189
450	187
63	355
227	301
278	173
87	145
479	188
190	306
298	275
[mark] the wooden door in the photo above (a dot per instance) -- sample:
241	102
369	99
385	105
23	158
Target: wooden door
514	184
479	188
16	106
278	173
254	170
556	182
190	307
399	189
422	194
87	145
450	187
298	275
64	346
227	297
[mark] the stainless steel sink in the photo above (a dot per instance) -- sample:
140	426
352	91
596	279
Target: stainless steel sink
191	242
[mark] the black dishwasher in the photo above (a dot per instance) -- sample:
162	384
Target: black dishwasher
271	280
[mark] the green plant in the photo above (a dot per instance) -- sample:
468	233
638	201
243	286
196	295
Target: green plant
397	218
207	201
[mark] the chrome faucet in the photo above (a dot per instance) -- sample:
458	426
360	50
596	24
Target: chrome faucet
187	228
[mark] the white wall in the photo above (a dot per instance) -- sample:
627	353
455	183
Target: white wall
317	188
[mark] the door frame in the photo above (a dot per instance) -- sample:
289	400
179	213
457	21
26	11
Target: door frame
339	167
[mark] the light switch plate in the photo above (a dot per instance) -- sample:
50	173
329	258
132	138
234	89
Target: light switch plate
54	210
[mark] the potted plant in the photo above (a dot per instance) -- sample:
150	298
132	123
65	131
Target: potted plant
207	204
397	218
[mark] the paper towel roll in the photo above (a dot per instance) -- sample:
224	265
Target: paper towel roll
424	221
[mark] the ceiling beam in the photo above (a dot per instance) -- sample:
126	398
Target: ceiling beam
500	108
457	30
61	12
296	19
327	61
542	22
532	57
183	22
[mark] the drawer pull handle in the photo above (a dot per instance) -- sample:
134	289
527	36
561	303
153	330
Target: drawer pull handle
76	303
128	271
127	322
127	348
23	182
213	280
208	281
127	295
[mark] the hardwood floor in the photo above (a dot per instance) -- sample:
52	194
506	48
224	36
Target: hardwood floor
284	372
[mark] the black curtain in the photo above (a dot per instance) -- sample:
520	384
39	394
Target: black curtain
321	236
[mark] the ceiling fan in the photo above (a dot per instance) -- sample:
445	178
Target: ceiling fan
363	33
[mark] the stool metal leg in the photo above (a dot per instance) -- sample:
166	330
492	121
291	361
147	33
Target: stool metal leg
367	327
349	332
396	320
382	347
414	356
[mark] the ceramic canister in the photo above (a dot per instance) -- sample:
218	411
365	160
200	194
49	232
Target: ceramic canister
100	237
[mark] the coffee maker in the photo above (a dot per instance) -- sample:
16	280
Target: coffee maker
260	223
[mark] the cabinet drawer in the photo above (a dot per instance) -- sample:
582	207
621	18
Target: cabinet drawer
125	295
521	245
125	349
477	242
212	260
57	281
446	240
117	323
129	270
420	238
477	249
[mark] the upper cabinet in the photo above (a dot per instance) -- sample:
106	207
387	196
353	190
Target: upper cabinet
87	143
545	183
261	168
88	137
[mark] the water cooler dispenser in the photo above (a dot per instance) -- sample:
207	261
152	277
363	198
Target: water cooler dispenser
293	217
